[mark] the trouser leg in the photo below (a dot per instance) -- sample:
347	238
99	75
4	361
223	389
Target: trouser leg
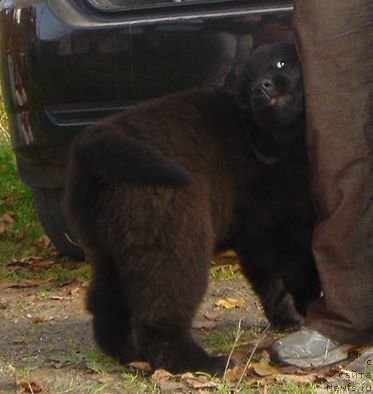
335	39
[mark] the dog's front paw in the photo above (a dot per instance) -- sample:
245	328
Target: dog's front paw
281	312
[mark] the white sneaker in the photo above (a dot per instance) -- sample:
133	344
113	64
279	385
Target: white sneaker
308	348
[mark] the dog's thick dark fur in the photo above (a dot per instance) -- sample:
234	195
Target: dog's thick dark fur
153	192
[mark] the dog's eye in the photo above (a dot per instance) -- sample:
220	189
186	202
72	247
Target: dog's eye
280	64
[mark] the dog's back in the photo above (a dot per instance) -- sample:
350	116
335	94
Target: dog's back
182	154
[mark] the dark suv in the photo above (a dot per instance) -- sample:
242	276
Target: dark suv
65	63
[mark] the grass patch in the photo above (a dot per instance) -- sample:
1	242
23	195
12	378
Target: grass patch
223	272
60	273
220	341
19	225
21	234
57	273
4	130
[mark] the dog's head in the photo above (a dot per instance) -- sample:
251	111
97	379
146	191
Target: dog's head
270	86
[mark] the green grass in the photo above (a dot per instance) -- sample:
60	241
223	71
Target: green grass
4	134
18	236
20	229
222	272
221	341
57	273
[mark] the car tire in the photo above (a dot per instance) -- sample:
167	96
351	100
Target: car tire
49	208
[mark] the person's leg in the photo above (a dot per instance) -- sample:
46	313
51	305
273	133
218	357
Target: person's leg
335	41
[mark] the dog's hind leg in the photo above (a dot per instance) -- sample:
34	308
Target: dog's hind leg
165	290
111	313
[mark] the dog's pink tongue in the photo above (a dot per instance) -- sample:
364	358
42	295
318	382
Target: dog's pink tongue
272	102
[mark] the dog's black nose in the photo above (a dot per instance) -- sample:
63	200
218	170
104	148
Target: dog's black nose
263	85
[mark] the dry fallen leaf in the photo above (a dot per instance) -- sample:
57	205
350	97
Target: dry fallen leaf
8	218
32	264
75	290
43	241
199	382
263	369
165	381
56	298
298	379
230	303
3	303
170	386
41	319
70	282
161	374
234	374
23	284
30	386
6	222
141	365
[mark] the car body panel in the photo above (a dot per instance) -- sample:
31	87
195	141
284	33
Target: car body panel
64	64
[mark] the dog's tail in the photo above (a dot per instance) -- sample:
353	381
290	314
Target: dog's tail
108	154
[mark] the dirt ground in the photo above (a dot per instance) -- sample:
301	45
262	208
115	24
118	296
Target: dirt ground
46	342
46	337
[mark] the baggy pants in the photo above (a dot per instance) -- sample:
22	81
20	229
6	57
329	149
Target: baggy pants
335	43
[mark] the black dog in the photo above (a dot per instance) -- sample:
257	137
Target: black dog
153	192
